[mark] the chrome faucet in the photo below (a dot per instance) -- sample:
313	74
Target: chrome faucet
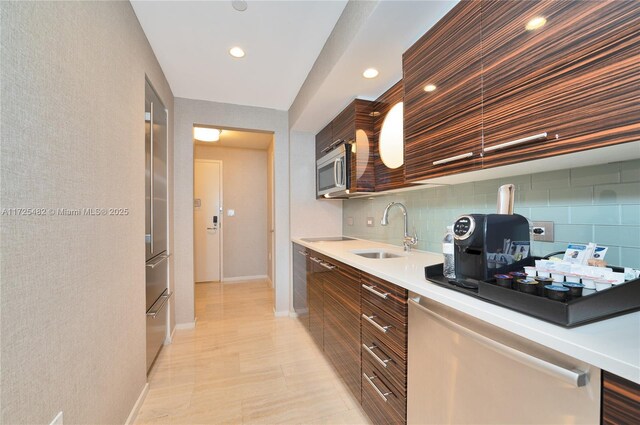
408	241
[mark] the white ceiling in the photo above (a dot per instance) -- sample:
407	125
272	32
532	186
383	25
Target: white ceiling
282	40
241	139
388	32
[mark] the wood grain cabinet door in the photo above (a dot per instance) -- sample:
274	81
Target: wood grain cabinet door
386	178
323	140
559	76
443	96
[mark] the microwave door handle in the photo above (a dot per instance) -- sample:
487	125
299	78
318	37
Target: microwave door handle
335	172
343	170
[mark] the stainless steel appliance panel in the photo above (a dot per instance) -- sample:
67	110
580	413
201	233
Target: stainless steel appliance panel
332	173
157	327
156	278
148	170
462	370
156	148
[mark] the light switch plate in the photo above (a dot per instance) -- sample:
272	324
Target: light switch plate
542	231
231	213
370	221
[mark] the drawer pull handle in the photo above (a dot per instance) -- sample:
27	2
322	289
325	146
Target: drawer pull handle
383	295
306	254
378	359
327	266
315	260
535	137
381	328
453	158
380	393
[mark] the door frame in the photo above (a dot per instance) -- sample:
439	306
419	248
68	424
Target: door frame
220	220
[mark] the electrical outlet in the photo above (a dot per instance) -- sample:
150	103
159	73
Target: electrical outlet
57	420
542	231
370	221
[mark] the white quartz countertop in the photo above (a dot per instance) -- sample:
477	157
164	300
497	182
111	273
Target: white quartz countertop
612	344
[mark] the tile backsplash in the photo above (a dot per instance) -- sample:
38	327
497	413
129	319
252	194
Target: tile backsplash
590	204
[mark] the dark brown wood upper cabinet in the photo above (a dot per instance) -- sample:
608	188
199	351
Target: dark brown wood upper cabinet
354	127
324	140
575	78
386	178
443	96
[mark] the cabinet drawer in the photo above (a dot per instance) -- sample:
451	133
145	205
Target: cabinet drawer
391	331
389	363
620	400
384	295
382	402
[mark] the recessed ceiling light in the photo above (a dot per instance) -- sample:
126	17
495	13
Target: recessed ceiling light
205	134
535	23
429	87
239	5
236	52
370	73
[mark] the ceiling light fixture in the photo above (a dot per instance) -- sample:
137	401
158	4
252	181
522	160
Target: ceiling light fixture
429	87
205	134
239	5
535	23
370	73
236	52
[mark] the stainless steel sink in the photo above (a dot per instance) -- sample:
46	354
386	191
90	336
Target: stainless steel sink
328	239
378	254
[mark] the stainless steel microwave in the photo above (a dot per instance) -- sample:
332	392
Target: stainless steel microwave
332	173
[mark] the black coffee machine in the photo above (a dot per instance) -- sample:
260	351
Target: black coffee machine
489	244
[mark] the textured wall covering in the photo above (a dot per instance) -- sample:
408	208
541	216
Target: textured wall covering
73	287
590	204
244	183
189	112
309	217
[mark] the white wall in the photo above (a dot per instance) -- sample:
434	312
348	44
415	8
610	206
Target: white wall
310	217
72	136
244	182
188	112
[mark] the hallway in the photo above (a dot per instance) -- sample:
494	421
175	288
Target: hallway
242	365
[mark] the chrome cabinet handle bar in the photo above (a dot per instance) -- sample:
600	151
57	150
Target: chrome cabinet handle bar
327	266
541	136
380	393
378	359
151	171
161	259
315	260
576	378
381	328
165	299
453	158
383	295
306	254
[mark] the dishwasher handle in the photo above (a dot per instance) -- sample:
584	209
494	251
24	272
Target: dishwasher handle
576	378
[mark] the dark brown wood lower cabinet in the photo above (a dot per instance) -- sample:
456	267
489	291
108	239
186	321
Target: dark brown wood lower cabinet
620	400
360	323
380	399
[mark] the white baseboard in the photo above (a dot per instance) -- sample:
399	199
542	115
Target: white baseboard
136	407
280	313
188	325
242	278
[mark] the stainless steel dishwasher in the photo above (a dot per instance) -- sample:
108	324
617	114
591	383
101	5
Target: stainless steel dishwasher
465	371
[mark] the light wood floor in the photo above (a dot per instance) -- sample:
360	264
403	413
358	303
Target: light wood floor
242	365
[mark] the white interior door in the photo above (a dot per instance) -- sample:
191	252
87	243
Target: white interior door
207	218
